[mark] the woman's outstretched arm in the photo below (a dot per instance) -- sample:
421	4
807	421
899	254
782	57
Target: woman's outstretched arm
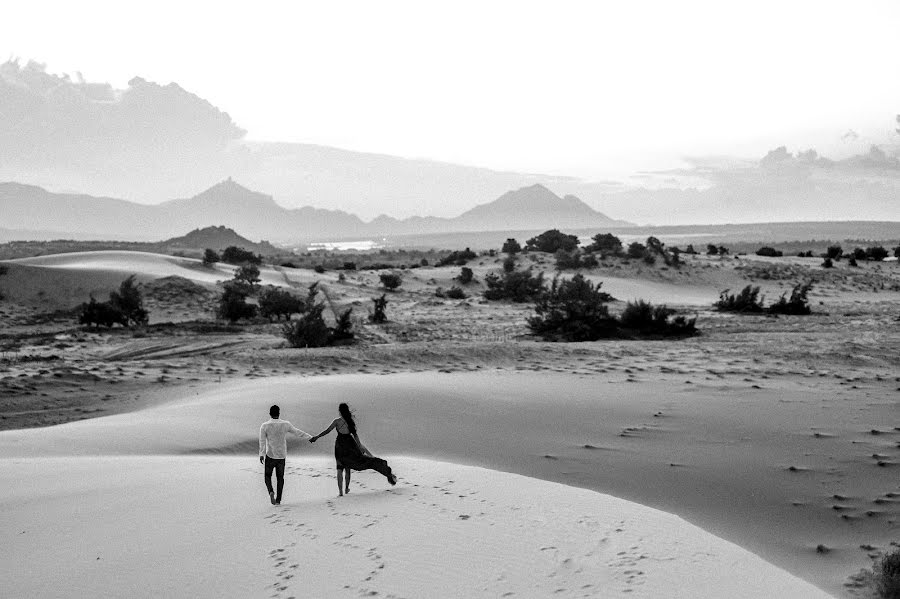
325	432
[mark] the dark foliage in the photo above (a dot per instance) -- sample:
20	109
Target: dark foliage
129	301
637	250
859	254
100	314
248	274
509	264
770	252
852	261
210	257
605	244
236	255
712	250
552	241
233	304
748	300
572	310
511	247
390	280
455	293
423	262
806	254
690	249
458	258
379	315
349	266
310	329
465	276
288	265
834	252
275	302
515	286
887	575
896	253
647	319
797	304
876	253
319	268
828	263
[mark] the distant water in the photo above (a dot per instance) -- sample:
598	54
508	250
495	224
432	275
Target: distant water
362	246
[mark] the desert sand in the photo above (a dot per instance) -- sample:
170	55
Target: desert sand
779	435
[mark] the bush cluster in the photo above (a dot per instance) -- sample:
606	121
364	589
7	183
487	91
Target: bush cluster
390	280
575	310
310	330
235	255
750	301
210	257
798	303
275	302
515	286
605	244
458	258
552	241
511	247
574	260
465	276
125	306
769	251
379	315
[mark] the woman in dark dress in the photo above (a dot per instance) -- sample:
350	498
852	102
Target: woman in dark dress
350	453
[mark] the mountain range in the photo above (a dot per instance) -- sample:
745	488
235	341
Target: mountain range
257	215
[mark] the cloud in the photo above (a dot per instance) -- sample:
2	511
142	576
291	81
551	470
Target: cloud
51	119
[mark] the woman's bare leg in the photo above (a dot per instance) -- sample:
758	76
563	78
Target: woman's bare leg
347	480
340	475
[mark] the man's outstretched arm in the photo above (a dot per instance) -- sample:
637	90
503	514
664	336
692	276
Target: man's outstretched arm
299	433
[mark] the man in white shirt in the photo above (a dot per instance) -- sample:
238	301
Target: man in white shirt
273	449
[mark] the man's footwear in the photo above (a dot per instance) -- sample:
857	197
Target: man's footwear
277	502
392	479
272	497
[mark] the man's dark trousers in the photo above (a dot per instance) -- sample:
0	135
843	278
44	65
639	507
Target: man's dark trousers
278	467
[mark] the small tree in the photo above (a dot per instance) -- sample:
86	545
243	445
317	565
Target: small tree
129	302
572	310
511	247
309	330
647	319
210	257
769	252
465	276
390	280
827	262
233	304
551	241
276	302
458	258
455	293
605	243
235	255
712	250
100	313
859	254
834	252
509	264
248	274
690	249
876	253
379	315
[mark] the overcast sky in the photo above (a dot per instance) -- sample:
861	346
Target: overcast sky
581	88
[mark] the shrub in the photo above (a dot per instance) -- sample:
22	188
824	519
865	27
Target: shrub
605	243
876	253
309	330
276	302
423	262
288	265
769	251
349	265
646	318
797	304
319	268
100	313
852	262
390	280
827	263
649	259
509	264
459	258
887	575
465	276
896	254
379	315
834	252
636	250
210	257
515	286
567	260
235	255
748	300
589	261
859	254
455	293
712	250
511	247
572	310
552	241
342	333
690	249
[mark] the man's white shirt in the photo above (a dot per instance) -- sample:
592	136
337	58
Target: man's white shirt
273	437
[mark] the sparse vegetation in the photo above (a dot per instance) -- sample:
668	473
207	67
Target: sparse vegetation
748	300
605	244
248	274
509	264
769	252
827	263
876	253
390	280
233	304
125	306
834	252
515	286
455	293
648	319
572	310
552	241
465	276
637	250
310	329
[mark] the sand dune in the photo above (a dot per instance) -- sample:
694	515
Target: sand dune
133	510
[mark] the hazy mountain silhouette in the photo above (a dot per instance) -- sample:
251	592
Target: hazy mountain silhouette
257	215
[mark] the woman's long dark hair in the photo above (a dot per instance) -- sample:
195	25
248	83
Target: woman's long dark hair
344	409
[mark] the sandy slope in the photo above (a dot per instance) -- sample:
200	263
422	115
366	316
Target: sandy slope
127	513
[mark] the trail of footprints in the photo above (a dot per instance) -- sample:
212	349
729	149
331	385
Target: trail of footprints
573	568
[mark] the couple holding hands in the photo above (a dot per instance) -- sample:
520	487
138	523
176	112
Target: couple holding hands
349	452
